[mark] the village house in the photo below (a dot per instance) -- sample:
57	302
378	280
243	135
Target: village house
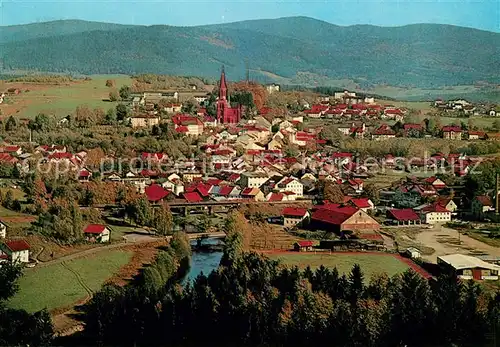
254	194
290	184
187	125
468	267
97	233
293	216
477	135
303	246
173	108
452	132
144	121
481	206
17	251
383	132
3	230
252	179
435	214
156	193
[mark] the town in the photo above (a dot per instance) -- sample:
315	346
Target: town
300	173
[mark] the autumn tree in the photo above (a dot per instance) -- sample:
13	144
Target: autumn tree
113	95
163	220
333	193
125	92
110	83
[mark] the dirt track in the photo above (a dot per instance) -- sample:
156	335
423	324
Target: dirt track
445	241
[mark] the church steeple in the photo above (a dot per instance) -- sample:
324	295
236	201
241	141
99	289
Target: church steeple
222	85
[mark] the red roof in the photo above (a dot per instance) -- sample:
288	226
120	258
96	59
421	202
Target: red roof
182	129
358	202
226	190
94	229
334	213
403	215
455	129
342	155
435	207
276	197
11	148
294	212
484	200
156	192
305	243
193	197
17	245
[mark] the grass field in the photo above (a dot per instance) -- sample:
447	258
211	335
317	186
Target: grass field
63	99
56	286
370	263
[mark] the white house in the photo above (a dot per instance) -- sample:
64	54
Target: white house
97	233
17	251
3	230
293	216
435	214
253	179
291	184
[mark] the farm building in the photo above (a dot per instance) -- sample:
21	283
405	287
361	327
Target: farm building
301	246
16	251
413	253
435	214
293	216
468	267
337	218
97	233
403	216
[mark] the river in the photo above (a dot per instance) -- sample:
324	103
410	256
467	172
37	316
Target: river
203	261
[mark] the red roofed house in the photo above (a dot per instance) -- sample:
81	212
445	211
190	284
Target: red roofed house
188	124
18	251
403	216
84	175
97	233
477	135
356	184
254	194
436	182
364	204
303	246
15	150
435	214
290	184
481	205
452	133
192	197
293	216
337	218
383	132
410	128
156	193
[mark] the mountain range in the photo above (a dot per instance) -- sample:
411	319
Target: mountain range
292	50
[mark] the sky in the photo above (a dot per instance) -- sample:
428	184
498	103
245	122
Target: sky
481	14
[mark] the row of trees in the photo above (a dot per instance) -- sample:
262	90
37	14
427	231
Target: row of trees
251	300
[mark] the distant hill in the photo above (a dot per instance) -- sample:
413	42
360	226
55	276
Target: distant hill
294	50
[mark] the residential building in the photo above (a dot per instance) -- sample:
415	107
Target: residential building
481	206
303	246
435	214
17	251
468	267
452	133
144	121
156	193
188	125
383	132
293	216
254	194
97	233
290	184
3	230
252	179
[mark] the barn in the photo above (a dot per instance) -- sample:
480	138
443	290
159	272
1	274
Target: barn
338	218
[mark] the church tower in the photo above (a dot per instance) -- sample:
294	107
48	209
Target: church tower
226	114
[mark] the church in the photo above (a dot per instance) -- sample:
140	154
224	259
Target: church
225	113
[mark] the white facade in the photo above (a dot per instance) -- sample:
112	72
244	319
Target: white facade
291	185
3	230
253	179
20	256
436	217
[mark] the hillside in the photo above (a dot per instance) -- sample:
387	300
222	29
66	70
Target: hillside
292	50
